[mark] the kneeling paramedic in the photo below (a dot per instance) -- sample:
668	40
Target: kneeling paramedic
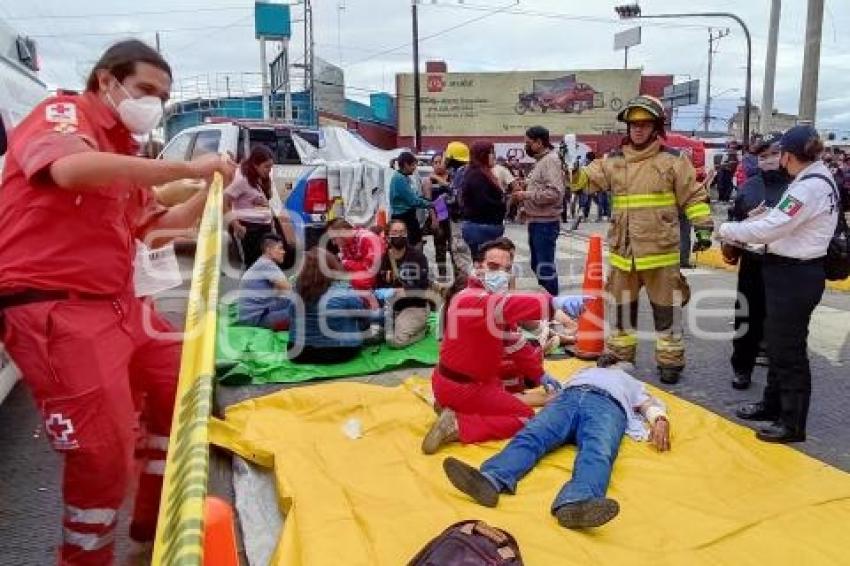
74	199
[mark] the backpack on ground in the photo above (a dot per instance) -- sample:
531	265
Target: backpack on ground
837	260
470	543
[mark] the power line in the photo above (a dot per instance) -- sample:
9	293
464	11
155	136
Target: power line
125	14
490	13
127	32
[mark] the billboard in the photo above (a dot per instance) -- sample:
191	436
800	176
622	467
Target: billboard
506	104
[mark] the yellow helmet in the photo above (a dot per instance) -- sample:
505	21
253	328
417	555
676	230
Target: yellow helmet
458	151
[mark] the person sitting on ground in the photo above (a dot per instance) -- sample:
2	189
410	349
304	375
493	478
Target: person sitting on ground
360	251
327	316
403	280
403	198
263	288
593	411
467	381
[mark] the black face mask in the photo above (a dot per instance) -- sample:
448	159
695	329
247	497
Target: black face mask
398	242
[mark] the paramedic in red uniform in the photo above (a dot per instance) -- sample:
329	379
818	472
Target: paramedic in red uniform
73	200
467	382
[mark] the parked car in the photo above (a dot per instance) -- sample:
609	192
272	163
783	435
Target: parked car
237	137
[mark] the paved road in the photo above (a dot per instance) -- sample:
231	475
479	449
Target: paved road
29	471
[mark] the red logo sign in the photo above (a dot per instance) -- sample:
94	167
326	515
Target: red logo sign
436	83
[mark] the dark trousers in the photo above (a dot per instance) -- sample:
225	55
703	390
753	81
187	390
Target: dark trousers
542	239
252	242
411	221
684	240
442	238
314	355
792	291
749	320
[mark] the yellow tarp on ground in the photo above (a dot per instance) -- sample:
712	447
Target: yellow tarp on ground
719	497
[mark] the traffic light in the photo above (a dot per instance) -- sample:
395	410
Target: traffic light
628	11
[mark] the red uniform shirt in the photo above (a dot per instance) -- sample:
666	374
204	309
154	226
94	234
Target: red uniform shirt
57	239
477	324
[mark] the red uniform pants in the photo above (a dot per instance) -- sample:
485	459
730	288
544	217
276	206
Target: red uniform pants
83	360
485	410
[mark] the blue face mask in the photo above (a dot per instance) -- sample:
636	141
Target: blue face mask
497	281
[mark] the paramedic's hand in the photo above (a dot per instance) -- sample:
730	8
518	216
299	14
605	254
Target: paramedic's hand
205	166
550	384
757	211
659	434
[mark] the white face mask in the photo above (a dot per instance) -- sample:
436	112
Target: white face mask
140	115
496	281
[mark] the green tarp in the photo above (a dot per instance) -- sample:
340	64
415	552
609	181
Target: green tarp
248	355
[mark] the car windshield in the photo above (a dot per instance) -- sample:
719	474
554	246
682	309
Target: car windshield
281	144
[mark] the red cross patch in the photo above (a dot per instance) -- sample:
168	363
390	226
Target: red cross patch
61	113
61	431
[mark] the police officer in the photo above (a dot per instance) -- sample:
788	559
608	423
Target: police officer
74	200
760	191
649	183
797	232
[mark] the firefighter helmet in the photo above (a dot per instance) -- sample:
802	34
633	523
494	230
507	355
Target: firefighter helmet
642	108
458	151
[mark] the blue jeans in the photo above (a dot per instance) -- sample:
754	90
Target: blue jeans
276	317
604	203
475	234
579	415
542	239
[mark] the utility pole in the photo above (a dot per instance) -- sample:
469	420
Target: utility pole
811	62
766	117
626	62
712	38
158	50
264	73
417	103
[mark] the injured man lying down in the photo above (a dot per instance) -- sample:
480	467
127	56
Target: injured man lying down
593	411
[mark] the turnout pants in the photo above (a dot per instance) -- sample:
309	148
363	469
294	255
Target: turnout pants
83	360
667	291
792	291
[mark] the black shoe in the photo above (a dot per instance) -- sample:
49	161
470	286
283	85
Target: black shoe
590	513
779	433
670	376
470	481
756	412
742	380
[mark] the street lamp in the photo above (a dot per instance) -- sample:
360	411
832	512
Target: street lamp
632	11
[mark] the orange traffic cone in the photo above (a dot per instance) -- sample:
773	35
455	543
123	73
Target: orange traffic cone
219	533
590	339
381	218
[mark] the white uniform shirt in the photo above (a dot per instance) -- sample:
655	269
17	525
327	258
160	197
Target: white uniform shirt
628	391
800	226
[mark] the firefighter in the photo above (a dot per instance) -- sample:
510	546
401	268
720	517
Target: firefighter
649	183
74	199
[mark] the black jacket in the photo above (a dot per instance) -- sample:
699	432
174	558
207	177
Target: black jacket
483	200
411	274
767	186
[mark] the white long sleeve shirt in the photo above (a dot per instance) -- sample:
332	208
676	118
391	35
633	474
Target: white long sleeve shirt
800	226
629	392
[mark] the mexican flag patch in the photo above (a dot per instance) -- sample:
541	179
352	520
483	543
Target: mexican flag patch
790	206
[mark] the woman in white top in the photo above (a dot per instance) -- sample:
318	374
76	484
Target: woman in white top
247	200
796	234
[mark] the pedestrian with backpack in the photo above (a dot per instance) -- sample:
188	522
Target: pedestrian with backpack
798	233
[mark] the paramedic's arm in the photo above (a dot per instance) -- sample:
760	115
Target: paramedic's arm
796	207
654	412
89	170
518	307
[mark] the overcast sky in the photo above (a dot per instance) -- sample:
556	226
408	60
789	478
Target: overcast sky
370	39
